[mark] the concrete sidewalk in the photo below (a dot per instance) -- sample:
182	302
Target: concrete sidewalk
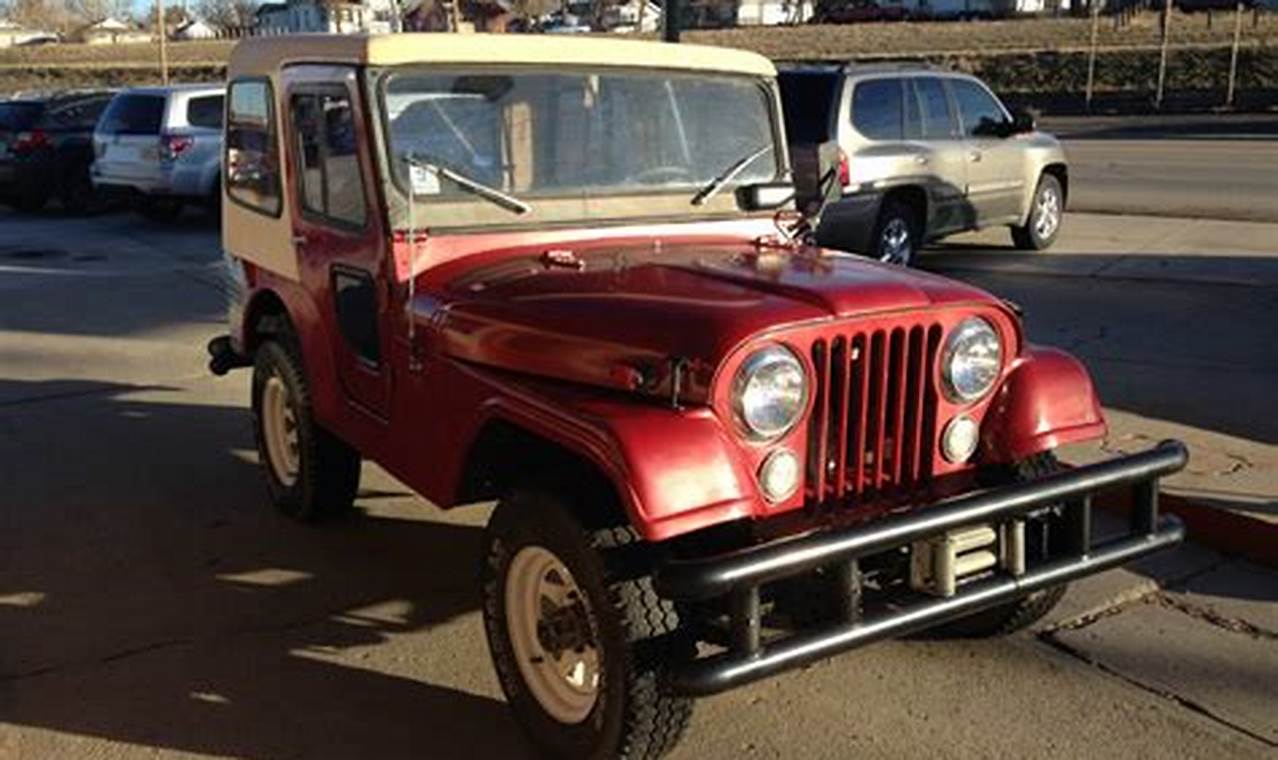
1176	320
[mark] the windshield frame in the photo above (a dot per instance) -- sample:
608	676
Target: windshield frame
723	205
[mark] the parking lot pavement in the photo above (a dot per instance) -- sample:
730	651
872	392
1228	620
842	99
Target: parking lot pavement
1175	319
151	604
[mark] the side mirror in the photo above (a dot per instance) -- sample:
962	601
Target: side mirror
1022	122
765	195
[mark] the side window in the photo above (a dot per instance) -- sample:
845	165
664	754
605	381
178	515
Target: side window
876	109
330	184
206	111
979	111
934	109
252	156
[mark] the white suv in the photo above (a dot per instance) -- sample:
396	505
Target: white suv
163	146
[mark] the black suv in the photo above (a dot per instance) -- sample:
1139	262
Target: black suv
46	148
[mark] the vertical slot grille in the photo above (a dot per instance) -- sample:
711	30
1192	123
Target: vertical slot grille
873	426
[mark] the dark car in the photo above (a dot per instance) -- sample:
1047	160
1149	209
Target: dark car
46	148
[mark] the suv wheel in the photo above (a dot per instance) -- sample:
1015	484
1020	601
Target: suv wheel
1046	214
576	640
1022	613
309	472
898	233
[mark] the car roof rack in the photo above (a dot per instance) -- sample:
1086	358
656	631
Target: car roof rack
859	66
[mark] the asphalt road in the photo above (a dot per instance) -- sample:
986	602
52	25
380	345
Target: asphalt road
1219	167
152	604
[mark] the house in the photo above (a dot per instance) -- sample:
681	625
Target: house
110	31
625	16
13	33
332	16
773	12
193	30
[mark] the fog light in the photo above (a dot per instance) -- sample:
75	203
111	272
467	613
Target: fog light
959	440
779	475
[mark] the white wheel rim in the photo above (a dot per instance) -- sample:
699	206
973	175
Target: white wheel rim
552	632
895	246
279	428
1047	213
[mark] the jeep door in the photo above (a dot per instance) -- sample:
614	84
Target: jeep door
995	162
932	127
335	229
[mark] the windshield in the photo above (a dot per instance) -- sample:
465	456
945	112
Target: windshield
568	135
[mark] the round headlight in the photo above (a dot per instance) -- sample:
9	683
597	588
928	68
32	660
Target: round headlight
769	392
971	360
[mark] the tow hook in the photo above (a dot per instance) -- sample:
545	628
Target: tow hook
224	357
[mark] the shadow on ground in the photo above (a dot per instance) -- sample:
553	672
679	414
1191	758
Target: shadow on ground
148	595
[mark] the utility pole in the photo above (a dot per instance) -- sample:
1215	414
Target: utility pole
1091	52
670	12
164	41
1233	54
1162	56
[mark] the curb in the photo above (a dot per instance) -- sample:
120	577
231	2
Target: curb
1220	529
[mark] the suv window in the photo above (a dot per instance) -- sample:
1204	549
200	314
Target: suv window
934	109
252	157
876	109
79	114
18	116
978	109
133	115
205	111
328	157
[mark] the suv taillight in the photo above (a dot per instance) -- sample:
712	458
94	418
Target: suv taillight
29	142
173	146
845	169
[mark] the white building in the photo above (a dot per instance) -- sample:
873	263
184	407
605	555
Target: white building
193	30
774	12
332	16
12	33
110	31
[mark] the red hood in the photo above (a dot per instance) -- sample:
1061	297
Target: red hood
630	311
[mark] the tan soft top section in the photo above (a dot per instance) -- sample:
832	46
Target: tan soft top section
264	55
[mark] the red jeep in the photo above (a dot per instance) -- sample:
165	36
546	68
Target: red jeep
552	272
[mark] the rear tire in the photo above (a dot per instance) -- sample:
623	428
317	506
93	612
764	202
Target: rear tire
310	473
1022	613
77	196
29	203
588	682
898	233
1045	216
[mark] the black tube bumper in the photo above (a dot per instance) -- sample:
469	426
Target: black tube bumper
739	575
223	357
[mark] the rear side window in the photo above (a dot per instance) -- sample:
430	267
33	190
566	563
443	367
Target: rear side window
18	116
937	123
806	99
328	157
877	109
980	112
133	115
205	111
77	114
252	163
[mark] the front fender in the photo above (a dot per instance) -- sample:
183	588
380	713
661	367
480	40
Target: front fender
1046	401
674	470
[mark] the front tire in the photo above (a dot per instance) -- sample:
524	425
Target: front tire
1014	616
1045	216
310	473
578	636
898	233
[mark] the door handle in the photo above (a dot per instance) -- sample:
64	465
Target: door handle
921	160
975	155
300	240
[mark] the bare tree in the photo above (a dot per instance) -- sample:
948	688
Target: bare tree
228	14
50	15
93	11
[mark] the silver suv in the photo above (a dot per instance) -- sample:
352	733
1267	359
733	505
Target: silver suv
163	146
897	155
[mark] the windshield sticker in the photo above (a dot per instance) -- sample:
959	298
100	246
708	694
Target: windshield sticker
423	180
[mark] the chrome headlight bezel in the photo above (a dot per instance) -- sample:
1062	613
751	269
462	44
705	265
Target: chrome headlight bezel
972	339
776	358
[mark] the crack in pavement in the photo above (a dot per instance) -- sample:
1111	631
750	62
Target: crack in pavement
1049	639
1213	618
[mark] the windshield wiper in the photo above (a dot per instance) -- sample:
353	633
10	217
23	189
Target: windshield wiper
712	188
487	192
